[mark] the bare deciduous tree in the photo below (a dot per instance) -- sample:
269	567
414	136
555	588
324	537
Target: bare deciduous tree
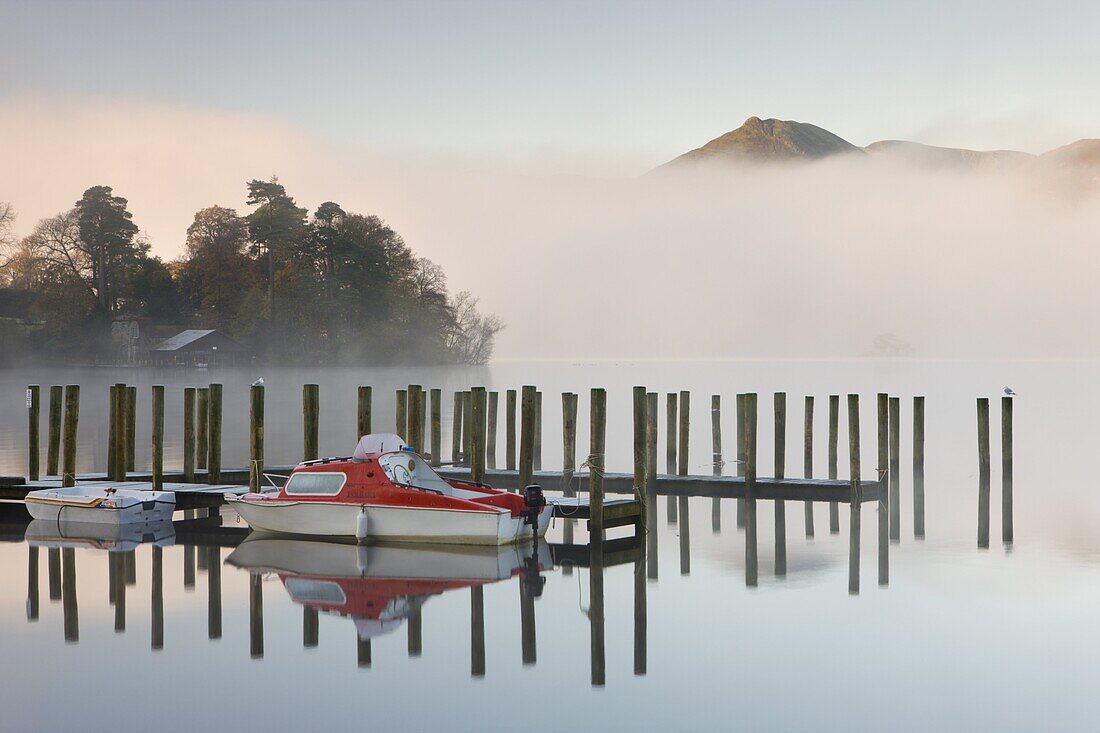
472	335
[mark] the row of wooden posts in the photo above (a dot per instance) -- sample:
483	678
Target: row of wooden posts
418	421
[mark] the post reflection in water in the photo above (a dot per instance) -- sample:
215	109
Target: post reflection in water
53	561
595	615
118	559
214	593
157	583
32	584
256	616
68	595
685	535
381	587
477	631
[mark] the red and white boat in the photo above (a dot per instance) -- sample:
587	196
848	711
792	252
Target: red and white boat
386	492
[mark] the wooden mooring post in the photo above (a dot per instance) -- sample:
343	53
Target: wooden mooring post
363	398
639	413
456	429
895	469
918	467
72	418
157	448
569	461
53	445
467	427
808	459
255	437
834	430
437	426
33	406
983	472
121	432
1006	470
478	408
401	417
538	431
780	444
112	432
883	424
214	434
415	421
526	437
569	443
131	427
311	405
189	434
491	431
202	431
671	464
716	459
652	406
510	430
740	453
751	555
856	500
683	468
596	462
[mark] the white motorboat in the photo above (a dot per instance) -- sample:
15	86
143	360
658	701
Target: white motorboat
96	505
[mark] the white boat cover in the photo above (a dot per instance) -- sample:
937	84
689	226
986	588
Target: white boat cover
375	443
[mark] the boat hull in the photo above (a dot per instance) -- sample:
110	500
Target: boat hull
85	507
389	523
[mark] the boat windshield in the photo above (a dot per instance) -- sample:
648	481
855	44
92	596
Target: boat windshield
409	469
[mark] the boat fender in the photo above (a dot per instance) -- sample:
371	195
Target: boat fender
361	525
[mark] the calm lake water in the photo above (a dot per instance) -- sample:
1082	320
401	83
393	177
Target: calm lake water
958	638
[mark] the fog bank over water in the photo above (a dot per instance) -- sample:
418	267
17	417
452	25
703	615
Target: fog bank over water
820	261
812	261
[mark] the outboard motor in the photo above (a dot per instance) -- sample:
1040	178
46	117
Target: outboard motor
534	501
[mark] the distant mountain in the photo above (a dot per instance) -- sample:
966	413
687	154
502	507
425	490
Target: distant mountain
1081	154
760	141
931	156
768	141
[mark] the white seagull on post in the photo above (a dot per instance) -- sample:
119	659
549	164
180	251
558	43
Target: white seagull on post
1009	392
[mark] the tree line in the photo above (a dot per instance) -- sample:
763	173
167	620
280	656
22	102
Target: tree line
332	287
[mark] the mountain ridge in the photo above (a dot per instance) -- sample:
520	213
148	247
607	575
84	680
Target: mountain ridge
773	141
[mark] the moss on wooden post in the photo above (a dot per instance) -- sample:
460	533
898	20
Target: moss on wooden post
157	434
72	419
310	422
189	434
255	437
363	412
53	445
33	407
214	451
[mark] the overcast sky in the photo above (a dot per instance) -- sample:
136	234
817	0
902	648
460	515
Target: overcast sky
564	85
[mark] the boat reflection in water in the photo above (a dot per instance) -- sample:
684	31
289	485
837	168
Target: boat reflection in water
380	586
99	536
